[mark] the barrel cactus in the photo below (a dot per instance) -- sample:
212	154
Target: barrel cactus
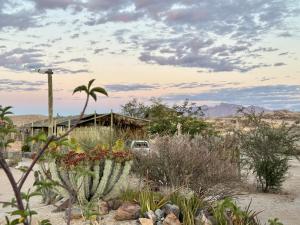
99	174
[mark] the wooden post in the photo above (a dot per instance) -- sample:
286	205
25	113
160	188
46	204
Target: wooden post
32	129
95	119
55	128
31	147
50	102
69	127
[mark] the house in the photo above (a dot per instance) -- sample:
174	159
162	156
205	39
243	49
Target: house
117	121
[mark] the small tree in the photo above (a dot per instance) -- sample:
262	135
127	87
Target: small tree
165	119
266	148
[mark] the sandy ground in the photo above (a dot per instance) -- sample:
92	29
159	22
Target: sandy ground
44	211
285	206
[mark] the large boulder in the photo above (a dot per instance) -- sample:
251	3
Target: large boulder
169	208
114	204
145	221
151	215
103	208
159	214
171	219
128	211
75	213
204	219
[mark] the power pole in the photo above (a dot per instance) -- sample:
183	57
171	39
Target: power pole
50	102
49	72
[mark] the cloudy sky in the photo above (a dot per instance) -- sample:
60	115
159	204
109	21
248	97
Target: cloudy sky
210	51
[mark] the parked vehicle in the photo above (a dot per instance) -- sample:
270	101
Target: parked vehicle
139	146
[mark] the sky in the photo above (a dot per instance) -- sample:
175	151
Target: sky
209	51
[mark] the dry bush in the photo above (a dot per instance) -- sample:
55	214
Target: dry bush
198	163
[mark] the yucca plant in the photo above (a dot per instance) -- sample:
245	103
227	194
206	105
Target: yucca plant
150	200
189	205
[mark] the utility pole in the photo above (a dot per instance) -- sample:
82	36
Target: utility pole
49	72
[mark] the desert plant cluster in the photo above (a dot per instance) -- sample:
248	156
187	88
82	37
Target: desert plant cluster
186	178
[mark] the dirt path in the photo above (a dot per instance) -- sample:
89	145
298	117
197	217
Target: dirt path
285	206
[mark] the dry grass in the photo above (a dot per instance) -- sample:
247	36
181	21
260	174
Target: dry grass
89	137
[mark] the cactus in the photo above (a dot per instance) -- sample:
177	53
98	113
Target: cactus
104	180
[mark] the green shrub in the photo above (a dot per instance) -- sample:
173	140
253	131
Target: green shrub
189	206
147	199
227	212
266	148
150	200
26	148
274	222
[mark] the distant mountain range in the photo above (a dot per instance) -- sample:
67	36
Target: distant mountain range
226	110
217	111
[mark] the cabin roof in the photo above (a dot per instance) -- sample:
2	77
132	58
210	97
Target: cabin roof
118	119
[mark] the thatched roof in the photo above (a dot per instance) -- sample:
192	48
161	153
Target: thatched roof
89	120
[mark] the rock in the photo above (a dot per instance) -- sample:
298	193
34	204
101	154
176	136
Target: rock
151	215
203	219
128	211
169	208
171	219
12	162
75	213
114	204
159	214
62	205
110	220
145	221
159	223
103	208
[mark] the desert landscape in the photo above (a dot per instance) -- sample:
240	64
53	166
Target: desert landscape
149	112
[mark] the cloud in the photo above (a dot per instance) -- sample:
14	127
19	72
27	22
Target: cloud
82	60
21	82
19	58
279	64
193	85
54	4
55	40
20	21
68	71
130	87
273	96
98	50
285	34
190	51
74	36
9	85
283	53
180	30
